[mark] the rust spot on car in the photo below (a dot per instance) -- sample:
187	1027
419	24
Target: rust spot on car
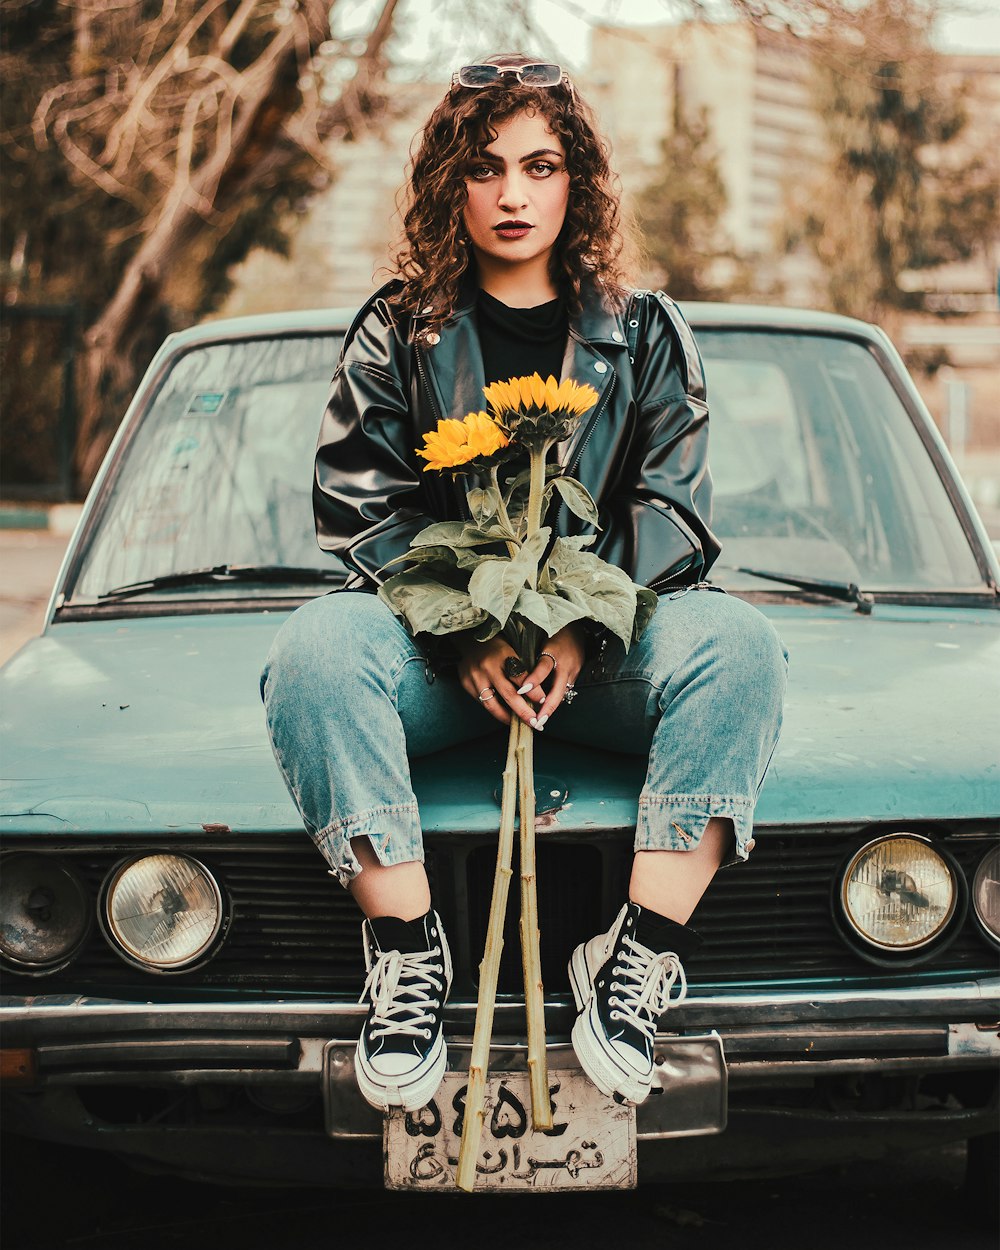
216	828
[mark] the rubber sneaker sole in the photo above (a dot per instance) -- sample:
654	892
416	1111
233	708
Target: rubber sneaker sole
409	1093
598	1059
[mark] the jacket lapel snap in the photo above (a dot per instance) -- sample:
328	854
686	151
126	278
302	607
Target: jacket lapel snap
596	344
584	363
454	365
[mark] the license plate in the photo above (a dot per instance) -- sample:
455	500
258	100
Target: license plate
591	1144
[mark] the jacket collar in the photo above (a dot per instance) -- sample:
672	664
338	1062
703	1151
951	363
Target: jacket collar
595	321
454	357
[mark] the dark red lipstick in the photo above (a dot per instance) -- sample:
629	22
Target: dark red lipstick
512	229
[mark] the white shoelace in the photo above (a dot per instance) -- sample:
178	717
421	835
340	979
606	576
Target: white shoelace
644	995
409	1015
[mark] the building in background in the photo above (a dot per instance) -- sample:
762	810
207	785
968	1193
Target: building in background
756	89
755	92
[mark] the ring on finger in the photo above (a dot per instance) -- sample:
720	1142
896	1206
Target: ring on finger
486	694
549	656
570	693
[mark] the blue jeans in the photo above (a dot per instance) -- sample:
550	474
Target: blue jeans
348	703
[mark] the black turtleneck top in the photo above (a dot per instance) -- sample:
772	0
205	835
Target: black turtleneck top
519	341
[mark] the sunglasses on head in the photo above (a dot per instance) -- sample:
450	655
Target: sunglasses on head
540	75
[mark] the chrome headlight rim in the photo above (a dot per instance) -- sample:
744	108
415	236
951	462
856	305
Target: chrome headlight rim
34	969
205	955
900	956
986	932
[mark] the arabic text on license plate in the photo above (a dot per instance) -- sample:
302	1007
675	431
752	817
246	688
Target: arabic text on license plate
591	1144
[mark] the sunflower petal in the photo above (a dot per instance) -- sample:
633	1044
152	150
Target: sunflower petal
456	443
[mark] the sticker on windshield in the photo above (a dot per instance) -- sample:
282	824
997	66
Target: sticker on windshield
206	401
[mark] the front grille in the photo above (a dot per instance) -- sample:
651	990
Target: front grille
292	929
570	897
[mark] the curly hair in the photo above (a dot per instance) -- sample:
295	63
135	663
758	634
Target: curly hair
433	253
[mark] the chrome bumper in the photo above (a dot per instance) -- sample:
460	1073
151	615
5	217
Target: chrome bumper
767	1036
770	1041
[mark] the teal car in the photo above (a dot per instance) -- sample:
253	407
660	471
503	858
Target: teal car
180	973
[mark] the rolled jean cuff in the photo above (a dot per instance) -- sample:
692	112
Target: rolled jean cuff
676	822
394	833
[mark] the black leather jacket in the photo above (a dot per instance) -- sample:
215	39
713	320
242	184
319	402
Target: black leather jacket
641	451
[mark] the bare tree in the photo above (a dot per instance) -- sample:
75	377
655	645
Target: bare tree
179	128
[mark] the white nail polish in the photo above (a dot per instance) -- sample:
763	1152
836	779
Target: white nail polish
541	721
526	687
533	723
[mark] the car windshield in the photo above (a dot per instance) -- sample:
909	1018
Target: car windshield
819	474
218	473
819	471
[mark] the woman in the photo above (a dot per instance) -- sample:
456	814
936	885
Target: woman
510	266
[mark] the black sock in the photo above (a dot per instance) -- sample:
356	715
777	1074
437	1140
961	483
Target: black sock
662	934
394	934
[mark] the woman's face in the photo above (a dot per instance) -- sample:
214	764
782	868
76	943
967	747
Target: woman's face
518	191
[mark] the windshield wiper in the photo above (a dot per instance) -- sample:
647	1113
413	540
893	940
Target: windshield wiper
849	592
223	573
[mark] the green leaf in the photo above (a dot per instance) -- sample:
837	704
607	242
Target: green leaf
645	608
458	534
577	498
483	504
495	584
427	606
549	612
470	558
605	593
576	543
446	533
497	532
418	555
567	556
608	604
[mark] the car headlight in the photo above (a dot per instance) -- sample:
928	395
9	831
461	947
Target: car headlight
899	893
163	911
44	912
986	893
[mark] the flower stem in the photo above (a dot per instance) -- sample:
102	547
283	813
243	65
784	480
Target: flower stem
513	547
536	493
489	971
534	996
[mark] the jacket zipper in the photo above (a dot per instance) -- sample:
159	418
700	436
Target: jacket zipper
571	467
425	382
459	495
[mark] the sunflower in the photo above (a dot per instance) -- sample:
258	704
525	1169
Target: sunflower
463	446
530	409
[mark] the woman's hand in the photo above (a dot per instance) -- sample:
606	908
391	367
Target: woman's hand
480	670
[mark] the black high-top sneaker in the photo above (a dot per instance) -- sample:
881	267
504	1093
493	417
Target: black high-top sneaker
622	988
401	1055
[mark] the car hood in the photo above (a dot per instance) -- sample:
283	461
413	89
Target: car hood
155	724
